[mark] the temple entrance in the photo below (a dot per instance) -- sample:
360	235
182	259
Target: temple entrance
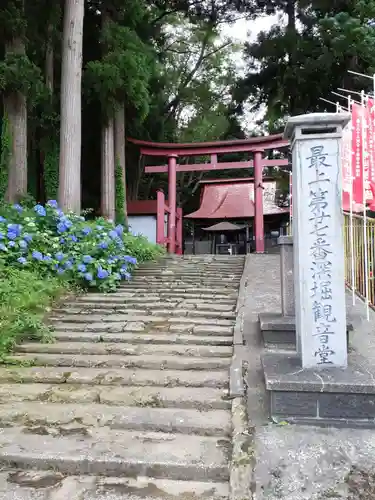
255	146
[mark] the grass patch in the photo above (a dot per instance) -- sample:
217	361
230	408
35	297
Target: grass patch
26	296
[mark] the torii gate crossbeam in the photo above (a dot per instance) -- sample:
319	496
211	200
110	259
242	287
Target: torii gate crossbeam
254	145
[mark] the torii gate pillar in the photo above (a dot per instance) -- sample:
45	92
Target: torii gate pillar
172	188
258	198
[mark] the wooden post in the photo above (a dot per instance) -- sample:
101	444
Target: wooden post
258	198
172	186
179	232
160	214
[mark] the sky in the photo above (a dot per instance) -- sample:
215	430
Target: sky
240	31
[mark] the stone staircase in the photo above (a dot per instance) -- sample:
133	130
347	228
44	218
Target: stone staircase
131	400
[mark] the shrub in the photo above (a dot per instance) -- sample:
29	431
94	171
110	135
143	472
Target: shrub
94	254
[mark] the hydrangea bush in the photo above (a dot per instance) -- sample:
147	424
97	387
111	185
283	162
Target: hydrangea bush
95	254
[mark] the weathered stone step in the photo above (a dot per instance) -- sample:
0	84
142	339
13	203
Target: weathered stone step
128	309
104	348
119	361
115	377
163	295
159	397
110	300
52	485
146	318
118	453
172	285
142	338
73	419
138	327
154	280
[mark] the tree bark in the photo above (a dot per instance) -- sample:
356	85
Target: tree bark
120	150
71	110
108	170
15	111
49	69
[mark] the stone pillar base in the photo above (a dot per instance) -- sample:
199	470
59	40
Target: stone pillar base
279	330
341	397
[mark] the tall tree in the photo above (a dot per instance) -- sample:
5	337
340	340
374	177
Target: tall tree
71	107
15	66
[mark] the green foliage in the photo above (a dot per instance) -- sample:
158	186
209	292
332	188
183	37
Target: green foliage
123	72
51	171
91	254
25	298
119	195
19	74
6	151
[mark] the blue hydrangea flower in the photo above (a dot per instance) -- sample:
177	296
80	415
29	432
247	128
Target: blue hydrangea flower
68	264
59	212
73	237
99	228
86	230
111	260
119	229
113	234
21	260
47	258
27	237
62	241
3	247
130	260
59	256
2	236
12	244
52	203
81	268
103	245
88	277
2	219
37	255
18	208
14	228
102	273
11	235
87	259
22	244
60	270
40	210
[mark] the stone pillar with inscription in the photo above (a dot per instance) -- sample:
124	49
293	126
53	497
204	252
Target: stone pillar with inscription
319	280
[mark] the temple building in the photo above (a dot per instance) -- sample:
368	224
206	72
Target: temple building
224	221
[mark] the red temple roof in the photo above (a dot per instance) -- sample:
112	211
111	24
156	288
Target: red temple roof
235	200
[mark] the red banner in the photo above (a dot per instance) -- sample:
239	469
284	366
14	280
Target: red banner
357	167
346	166
370	149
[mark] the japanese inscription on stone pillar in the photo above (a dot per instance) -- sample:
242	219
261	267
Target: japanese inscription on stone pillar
324	276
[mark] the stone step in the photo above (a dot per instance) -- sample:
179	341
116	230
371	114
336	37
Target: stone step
72	419
173	286
84	312
138	327
156	306
92	300
118	453
159	397
163	295
104	348
221	281
115	377
150	362
142	338
145	318
52	485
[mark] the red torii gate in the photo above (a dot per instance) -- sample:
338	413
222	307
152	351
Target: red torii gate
254	145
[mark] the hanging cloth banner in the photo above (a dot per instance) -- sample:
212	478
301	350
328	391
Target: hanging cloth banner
370	148
357	167
346	167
